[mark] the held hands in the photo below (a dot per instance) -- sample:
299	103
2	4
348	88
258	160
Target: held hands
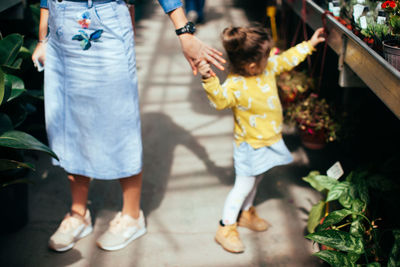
196	51
205	69
318	37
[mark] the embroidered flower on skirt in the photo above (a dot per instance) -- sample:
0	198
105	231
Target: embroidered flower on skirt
86	39
84	19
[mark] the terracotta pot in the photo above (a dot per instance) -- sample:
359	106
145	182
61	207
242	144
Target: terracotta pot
314	140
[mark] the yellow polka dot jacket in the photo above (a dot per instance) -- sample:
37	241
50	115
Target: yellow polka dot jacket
254	100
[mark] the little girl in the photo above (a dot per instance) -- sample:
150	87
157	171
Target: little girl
250	92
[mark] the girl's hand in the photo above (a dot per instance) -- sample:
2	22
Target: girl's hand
40	53
195	50
204	69
318	37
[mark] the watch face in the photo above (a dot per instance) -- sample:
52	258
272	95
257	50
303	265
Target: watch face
190	27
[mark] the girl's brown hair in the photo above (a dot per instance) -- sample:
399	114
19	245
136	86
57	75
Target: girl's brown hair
245	45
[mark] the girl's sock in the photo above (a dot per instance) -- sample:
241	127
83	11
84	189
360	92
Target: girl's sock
252	195
236	197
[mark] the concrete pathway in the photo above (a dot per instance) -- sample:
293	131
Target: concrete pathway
187	174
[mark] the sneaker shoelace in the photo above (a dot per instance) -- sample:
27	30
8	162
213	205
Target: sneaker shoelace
119	223
69	223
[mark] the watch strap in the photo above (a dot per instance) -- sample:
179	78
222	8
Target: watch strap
188	28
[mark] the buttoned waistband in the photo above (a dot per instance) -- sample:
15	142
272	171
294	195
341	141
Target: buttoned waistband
85	1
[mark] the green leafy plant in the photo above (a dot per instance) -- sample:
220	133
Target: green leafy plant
342	222
14	110
378	32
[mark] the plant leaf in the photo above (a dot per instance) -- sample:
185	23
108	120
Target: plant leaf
337	191
17	86
5	88
334	258
15	93
320	182
36	94
358	206
374	264
335	217
338	239
6	164
394	257
356	228
353	257
5	123
24	53
9	49
21	140
16	181
316	213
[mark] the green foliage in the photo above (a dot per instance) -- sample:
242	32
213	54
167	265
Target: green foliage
394	257
379	32
320	182
12	111
335	217
339	240
316	213
347	230
335	258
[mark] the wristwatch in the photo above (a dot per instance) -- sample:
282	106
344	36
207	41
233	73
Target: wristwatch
188	28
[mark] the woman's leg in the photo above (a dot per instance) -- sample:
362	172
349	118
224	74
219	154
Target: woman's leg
79	193
248	203
236	197
131	190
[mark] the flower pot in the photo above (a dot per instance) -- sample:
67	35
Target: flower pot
391	51
313	139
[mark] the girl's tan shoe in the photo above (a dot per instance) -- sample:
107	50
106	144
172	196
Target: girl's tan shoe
251	220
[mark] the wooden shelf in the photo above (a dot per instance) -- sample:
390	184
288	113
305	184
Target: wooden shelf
382	78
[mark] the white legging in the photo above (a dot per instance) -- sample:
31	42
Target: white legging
240	197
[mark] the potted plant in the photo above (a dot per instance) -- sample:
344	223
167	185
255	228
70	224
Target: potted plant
391	47
293	85
15	106
313	117
349	228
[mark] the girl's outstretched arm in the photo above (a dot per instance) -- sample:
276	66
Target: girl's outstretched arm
295	55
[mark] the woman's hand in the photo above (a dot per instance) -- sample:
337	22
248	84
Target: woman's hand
39	53
204	69
318	37
195	51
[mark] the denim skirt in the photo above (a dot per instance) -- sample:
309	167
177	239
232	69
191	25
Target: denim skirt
249	161
91	97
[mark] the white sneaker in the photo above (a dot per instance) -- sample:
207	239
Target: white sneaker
123	229
72	228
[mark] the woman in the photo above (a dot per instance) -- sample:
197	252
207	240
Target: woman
91	106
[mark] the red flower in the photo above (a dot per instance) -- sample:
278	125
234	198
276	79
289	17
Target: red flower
387	4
